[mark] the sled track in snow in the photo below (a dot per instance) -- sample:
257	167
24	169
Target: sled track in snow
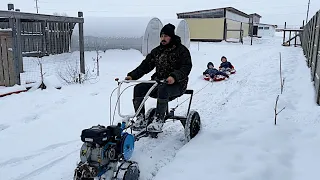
35	164
45	167
165	148
153	154
223	91
30	157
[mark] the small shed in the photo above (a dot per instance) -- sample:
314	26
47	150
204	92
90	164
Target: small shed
103	33
182	29
266	30
216	24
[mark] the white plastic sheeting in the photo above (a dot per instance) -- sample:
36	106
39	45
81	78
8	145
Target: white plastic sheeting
103	33
182	29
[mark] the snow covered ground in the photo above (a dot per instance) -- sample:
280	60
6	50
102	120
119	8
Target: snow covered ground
40	130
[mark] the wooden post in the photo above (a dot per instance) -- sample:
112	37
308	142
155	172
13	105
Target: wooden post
295	39
289	37
241	40
43	40
10	7
81	45
16	48
252	30
284	32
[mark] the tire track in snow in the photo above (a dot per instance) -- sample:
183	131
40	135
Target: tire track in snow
224	90
3	127
46	167
48	149
153	154
278	147
162	151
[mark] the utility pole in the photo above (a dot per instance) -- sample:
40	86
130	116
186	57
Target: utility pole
308	11
37	6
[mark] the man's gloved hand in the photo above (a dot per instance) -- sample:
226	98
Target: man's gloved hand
170	80
128	78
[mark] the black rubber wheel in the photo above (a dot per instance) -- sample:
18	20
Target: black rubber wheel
192	126
153	134
128	170
132	173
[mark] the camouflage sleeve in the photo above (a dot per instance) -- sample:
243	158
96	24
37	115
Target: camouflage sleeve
146	66
186	65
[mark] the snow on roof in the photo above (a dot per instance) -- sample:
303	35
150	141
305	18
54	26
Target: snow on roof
8	29
116	27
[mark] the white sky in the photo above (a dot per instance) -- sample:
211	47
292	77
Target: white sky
272	11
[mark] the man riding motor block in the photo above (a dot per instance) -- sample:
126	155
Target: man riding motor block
172	61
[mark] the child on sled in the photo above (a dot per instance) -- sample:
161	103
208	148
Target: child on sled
213	73
226	66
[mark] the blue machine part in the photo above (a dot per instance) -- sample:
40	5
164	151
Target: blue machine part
127	145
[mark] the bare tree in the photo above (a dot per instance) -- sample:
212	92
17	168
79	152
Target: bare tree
96	60
275	111
71	74
281	79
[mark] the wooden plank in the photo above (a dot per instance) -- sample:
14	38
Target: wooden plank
58	40
55	34
19	49
40	17
13	70
43	40
81	45
5	63
1	66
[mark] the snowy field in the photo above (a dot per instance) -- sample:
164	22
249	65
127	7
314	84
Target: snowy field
40	130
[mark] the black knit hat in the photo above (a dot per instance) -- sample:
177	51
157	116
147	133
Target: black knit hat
209	63
223	57
168	29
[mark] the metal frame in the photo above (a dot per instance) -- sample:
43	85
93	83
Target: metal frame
169	115
144	99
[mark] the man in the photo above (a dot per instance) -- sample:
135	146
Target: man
172	61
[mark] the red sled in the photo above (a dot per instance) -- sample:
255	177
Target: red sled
217	78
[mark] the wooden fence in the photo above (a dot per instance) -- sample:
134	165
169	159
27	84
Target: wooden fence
310	44
8	69
39	35
42	38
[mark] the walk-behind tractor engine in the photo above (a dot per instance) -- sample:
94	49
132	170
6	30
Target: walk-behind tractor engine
105	154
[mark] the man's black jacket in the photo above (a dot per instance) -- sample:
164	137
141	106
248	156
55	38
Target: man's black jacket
173	60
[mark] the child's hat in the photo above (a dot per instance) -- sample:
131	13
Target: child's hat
210	63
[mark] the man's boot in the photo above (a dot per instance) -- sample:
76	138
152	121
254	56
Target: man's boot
140	121
157	123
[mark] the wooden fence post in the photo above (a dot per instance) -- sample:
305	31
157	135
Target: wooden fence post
14	24
81	45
